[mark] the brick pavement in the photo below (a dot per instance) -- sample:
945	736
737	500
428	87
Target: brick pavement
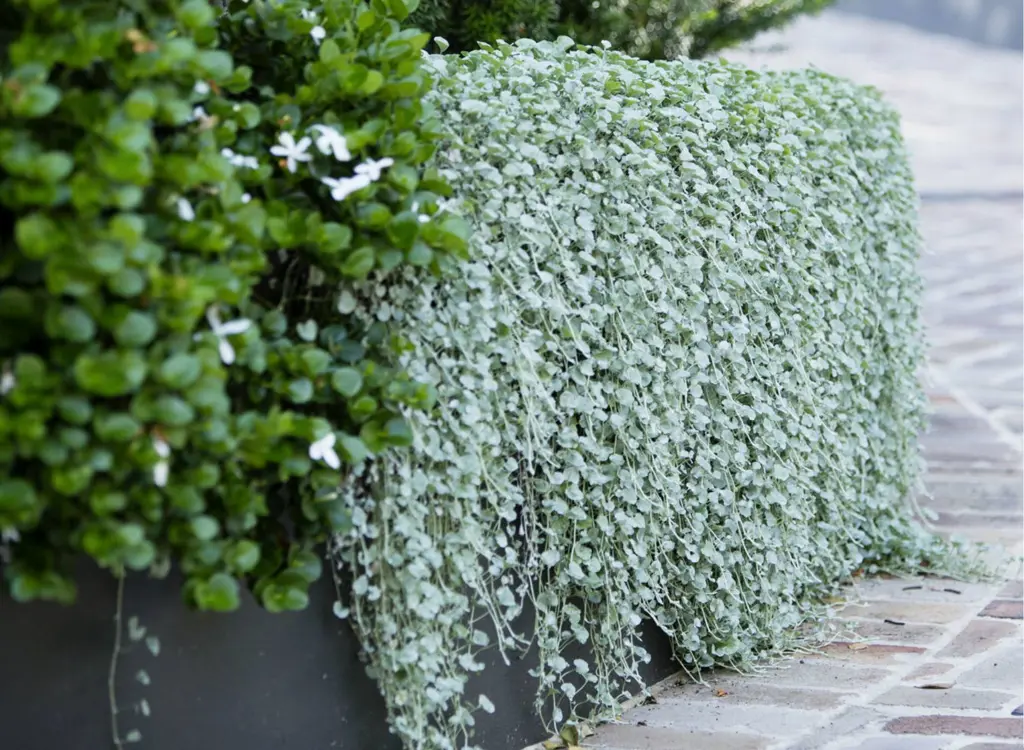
922	664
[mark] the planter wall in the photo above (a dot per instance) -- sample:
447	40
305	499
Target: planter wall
245	680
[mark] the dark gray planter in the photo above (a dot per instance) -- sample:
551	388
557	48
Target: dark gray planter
244	681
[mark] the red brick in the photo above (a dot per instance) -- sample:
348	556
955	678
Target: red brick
931	669
906	611
979	636
626	736
887	632
1013	590
1004	609
962	725
871	654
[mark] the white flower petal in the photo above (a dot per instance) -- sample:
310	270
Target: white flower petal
213	318
330	142
234	327
185	210
323	450
7	382
372	169
318	33
341	189
161	471
331	459
291	151
227	352
161	447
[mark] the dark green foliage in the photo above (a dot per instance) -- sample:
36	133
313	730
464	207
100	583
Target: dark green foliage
175	358
648	29
731	22
463	23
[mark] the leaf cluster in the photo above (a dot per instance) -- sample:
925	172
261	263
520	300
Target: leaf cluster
183	379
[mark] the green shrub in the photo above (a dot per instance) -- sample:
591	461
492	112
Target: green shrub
466	22
676	378
183	378
648	29
726	23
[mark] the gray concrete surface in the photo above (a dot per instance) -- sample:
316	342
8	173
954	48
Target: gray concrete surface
997	23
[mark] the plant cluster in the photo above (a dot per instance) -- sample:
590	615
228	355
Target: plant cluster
674	377
676	380
188	198
648	29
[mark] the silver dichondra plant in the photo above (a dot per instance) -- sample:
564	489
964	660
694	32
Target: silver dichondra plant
676	380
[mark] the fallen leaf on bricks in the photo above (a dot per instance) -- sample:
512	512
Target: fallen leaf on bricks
570	735
857	646
720	693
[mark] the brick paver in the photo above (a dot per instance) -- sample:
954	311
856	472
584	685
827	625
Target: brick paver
929	664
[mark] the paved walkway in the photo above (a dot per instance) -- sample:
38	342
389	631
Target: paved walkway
943	667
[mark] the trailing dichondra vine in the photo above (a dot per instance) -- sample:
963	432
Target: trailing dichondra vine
676	379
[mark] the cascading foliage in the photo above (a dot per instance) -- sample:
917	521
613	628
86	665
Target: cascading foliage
677	378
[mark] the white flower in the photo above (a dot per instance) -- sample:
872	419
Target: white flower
162	469
246	197
7	381
185	210
330	142
240	160
223	330
198	113
202	88
307	14
7	537
372	169
422	218
343	188
318	33
291	151
323	450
